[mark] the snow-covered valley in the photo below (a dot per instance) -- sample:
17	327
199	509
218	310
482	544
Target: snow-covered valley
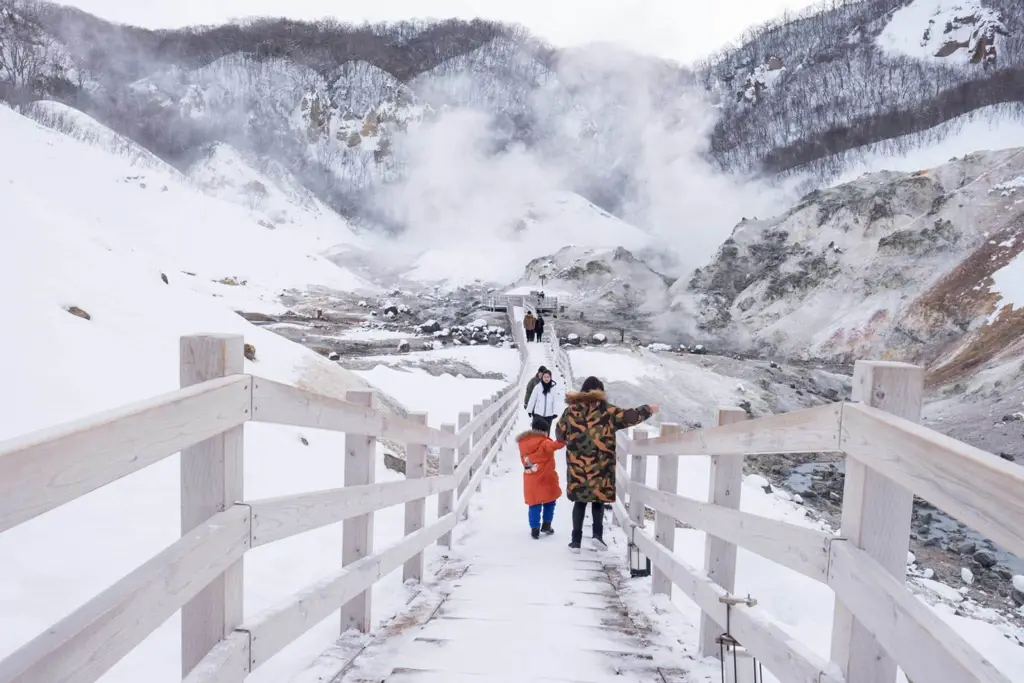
908	249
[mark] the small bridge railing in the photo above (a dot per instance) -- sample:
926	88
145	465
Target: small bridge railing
878	623
201	574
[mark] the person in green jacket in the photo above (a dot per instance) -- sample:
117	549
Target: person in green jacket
532	383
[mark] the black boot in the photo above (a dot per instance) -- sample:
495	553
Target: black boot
574	544
545	528
535	533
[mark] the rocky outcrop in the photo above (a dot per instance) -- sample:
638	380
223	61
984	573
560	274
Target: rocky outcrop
892	265
609	286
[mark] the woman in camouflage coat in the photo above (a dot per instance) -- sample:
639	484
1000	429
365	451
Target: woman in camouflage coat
588	427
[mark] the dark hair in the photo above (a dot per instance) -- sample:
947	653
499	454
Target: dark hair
540	424
541	370
592	384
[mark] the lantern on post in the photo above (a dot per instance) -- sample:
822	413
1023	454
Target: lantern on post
738	665
639	564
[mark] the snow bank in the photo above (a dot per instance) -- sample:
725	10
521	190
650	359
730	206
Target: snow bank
442	397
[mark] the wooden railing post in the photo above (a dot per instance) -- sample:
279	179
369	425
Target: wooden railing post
357	533
478	437
415	510
665	525
638	474
491	421
446	499
464	450
725	484
622	460
876	516
211	481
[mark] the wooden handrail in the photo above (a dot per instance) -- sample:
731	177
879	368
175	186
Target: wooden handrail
779	651
812	430
85	644
801	549
276	518
278	403
48	468
979	488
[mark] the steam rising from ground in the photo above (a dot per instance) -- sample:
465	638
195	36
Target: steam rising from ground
626	131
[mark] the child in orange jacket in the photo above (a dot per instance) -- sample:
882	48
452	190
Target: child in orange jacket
541	488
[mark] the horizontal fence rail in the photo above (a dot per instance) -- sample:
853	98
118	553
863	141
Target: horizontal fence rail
879	623
46	469
201	573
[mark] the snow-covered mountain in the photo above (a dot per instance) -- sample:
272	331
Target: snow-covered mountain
804	88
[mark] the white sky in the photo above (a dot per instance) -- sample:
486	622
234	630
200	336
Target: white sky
684	30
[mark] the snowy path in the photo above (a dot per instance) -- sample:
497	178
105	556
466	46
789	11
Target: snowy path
525	609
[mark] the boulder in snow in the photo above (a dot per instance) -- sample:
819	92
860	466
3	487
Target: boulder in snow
967	575
404	346
78	312
334	355
599	339
430	327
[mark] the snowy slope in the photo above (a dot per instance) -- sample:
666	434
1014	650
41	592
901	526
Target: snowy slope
200	242
275	197
958	31
83	127
989	128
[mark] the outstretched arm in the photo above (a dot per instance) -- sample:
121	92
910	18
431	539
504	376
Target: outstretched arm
631	417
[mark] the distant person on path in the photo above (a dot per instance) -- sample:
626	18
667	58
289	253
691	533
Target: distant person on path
541	489
588	428
531	384
546	401
530	325
539	327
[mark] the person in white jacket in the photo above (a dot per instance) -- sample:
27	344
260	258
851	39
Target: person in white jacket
547	400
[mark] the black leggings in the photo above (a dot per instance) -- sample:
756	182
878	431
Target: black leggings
579	511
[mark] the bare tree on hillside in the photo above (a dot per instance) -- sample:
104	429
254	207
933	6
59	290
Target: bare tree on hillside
23	45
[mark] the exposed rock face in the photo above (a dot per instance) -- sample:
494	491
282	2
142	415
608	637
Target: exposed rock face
892	265
606	285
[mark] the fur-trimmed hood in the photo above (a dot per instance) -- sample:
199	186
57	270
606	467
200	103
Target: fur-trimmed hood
585	397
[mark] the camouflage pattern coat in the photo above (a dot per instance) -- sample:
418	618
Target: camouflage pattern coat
588	428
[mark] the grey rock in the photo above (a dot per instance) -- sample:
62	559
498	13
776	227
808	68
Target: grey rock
967	548
985	559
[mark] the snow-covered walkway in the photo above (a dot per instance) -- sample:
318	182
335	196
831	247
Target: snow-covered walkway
525	609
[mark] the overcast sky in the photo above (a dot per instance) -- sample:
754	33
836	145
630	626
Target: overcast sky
684	30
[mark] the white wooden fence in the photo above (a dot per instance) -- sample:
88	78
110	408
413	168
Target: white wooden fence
878	623
201	574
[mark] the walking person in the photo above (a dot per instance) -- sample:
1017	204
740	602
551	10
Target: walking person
541	489
531	384
539	327
588	428
530	325
546	401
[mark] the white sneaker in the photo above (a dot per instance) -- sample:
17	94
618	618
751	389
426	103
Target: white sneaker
598	544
